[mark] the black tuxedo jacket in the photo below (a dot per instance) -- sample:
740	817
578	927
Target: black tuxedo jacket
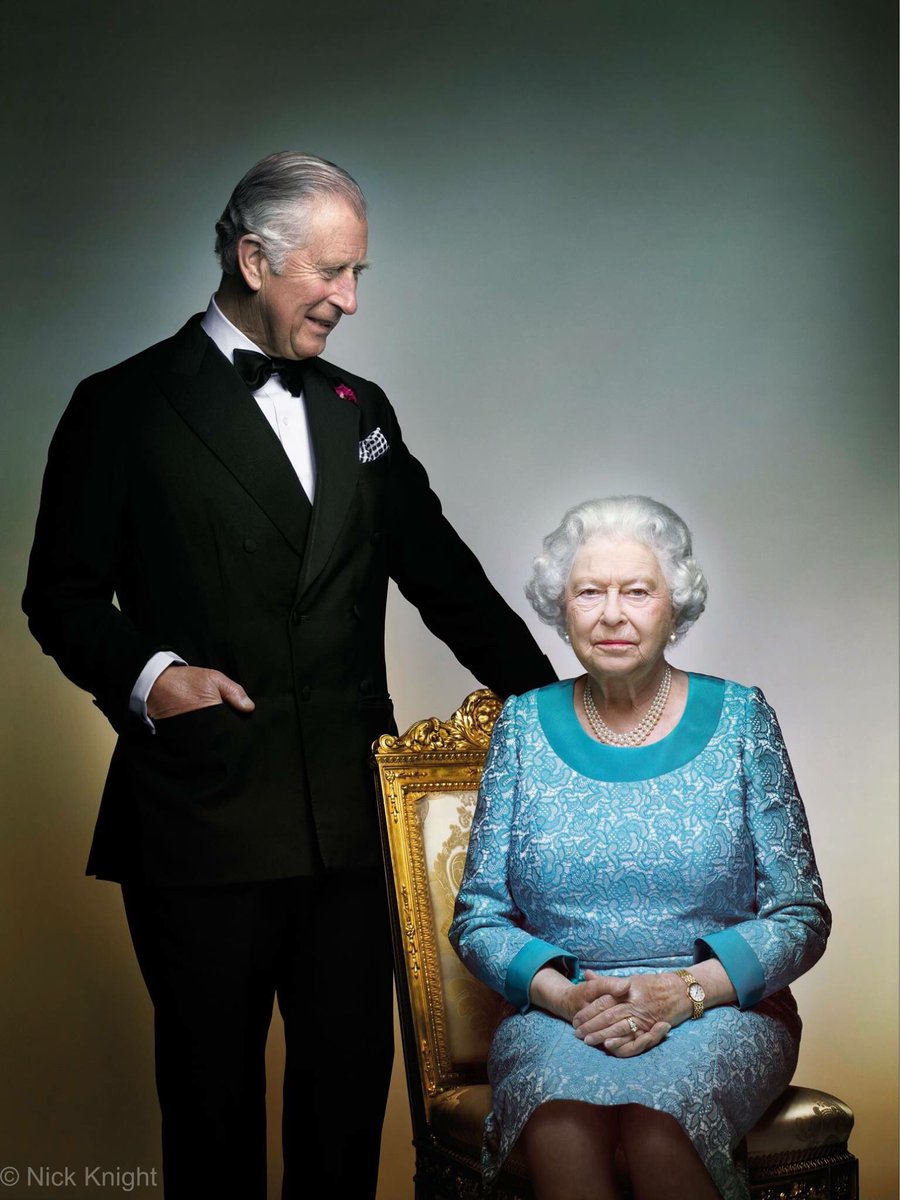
171	518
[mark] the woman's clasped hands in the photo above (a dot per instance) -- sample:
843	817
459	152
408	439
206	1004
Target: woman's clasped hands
623	1015
626	1015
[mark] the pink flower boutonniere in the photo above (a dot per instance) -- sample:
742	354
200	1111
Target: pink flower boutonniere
345	393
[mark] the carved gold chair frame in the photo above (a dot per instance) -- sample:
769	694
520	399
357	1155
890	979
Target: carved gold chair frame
428	782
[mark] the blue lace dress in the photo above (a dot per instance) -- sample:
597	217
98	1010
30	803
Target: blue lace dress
645	859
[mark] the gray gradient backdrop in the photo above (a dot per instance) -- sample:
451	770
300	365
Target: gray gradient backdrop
618	247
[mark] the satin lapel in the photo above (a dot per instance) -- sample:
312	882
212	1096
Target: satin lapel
209	395
334	430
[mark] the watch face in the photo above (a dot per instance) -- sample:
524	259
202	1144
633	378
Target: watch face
696	992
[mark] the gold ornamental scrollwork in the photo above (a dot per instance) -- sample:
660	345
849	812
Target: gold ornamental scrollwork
469	728
816	1189
427	1064
409	931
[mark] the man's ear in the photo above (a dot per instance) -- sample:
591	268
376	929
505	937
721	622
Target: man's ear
251	261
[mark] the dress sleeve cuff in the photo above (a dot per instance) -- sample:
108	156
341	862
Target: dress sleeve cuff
741	964
520	972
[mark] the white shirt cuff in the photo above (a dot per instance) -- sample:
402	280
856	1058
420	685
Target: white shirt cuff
145	681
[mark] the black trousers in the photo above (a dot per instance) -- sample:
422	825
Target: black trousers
214	959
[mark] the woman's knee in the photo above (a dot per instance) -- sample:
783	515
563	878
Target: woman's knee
649	1131
651	1134
660	1157
572	1120
570	1147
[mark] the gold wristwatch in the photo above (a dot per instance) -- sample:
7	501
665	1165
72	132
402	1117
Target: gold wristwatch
695	991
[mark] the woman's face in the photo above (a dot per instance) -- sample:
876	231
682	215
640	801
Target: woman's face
618	608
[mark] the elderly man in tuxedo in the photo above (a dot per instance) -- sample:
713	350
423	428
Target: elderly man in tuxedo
219	520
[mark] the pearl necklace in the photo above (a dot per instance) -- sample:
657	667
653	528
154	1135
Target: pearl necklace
641	731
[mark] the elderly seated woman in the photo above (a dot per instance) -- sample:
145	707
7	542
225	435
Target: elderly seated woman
640	884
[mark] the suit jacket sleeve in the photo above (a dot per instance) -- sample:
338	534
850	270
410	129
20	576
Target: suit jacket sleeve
439	574
76	560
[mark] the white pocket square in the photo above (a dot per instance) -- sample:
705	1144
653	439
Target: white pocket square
372	446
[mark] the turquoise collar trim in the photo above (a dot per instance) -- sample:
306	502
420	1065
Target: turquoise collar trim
562	729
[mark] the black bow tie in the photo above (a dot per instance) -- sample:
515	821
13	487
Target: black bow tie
257	369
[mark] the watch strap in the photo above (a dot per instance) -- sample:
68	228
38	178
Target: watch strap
693	986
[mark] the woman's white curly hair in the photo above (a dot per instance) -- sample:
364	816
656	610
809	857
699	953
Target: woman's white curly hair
634	517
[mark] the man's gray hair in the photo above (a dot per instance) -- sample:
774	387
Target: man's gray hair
633	517
273	201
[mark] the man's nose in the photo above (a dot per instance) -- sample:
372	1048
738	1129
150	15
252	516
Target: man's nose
344	293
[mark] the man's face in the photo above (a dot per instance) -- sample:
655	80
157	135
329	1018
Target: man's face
297	309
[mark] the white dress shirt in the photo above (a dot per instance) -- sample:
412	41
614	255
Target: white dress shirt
287	416
284	412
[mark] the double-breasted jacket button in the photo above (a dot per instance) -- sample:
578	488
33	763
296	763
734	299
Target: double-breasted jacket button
365	687
296	614
250	545
306	691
